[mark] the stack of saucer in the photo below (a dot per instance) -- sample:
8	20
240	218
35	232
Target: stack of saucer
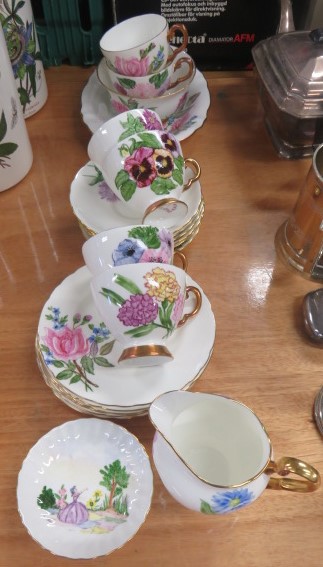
94	206
104	388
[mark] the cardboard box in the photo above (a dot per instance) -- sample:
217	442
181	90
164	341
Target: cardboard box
221	33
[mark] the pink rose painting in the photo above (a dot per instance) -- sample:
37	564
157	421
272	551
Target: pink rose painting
132	67
67	343
75	349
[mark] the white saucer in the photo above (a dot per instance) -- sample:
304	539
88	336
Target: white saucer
93	377
96	206
63	459
96	109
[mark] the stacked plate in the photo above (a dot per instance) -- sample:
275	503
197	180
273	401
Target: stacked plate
96	207
77	355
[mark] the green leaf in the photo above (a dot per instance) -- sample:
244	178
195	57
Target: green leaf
114	297
127	284
31	69
179	162
101	361
141	331
127	189
206	508
161	186
144	52
127	83
121	178
58	363
24	97
150	140
87	364
159	79
21	71
3	126
147	234
177	175
7	149
107	348
75	378
65	375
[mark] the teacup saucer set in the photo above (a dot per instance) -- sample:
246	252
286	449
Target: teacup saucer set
130	332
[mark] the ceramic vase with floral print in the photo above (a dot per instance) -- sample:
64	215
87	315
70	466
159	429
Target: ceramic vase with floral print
16	17
15	149
143	305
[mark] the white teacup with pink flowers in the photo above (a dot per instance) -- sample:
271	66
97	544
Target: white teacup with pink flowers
181	69
143	305
141	45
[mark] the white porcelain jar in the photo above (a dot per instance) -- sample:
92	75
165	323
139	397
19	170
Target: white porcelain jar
16	155
24	53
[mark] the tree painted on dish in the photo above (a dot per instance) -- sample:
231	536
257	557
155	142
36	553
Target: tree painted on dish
227	501
160	305
67	347
150	162
21	43
6	148
101	512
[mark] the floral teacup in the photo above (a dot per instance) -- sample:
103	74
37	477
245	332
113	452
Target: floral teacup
165	104
129	245
141	45
120	127
143	304
146	170
176	72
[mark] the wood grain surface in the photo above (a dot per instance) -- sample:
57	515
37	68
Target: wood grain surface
262	356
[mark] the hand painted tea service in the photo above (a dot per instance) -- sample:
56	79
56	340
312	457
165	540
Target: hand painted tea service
140	68
140	45
144	167
130	308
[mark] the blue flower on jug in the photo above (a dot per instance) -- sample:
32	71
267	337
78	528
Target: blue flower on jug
231	500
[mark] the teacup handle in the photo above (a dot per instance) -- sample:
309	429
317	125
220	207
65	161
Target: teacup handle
178	65
183	259
287	465
171	33
195	167
198	303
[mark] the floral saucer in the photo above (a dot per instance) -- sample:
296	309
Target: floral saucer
83	503
96	206
96	108
78	356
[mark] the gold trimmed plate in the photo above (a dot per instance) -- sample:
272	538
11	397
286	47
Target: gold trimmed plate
66	497
96	206
78	356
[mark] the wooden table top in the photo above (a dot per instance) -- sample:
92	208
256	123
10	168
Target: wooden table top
262	356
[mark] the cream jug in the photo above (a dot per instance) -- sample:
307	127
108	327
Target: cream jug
214	455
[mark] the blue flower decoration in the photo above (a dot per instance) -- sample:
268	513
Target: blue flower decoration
128	252
24	57
231	500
